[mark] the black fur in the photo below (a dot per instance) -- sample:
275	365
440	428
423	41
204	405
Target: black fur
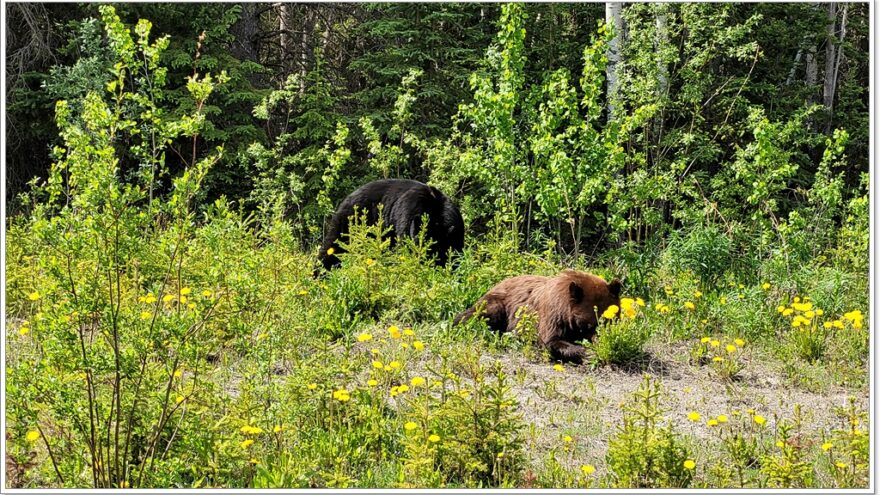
404	202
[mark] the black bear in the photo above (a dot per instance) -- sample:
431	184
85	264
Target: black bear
404	202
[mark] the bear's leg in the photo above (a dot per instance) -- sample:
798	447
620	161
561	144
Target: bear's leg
566	351
490	308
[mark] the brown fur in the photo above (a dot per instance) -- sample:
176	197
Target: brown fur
568	308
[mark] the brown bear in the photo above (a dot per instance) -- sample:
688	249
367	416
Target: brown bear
567	306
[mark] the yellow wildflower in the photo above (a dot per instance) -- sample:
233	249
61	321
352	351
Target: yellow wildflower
403	388
712	422
689	305
722	300
378	365
567	439
418	345
247	443
722	418
207	293
780	309
185	291
841	465
394	365
32	436
408	332
717	359
277	428
150	299
410	426
730	348
558	367
394	331
739	342
312	386
759	419
33	296
610	312
364	337
694	416
179	399
434	438
765	285
640	302
787	312
167	298
828	324
714	343
827	446
690	464
588	469
330	251
697	294
417	381
177	373
705	340
372	382
797	299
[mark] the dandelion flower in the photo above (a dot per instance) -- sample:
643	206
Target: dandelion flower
610	312
722	300
780	444
558	367
408	332
394	365
712	422
715	343
434	438
780	309
378	364
759	419
418	345
417	381
717	359
698	294
330	251
828	325
765	285
372	382
797	299
277	428
150	299
312	386
690	464
24	330
370	261
730	348
179	399
403	388
33	296
827	446
787	312
567	439
394	331
689	305
809	314
364	337
819	312
722	418
410	426
694	416
177	373
247	443
185	291
167	298
705	340
840	464
626	302
588	469
32	436
739	342
640	302
207	293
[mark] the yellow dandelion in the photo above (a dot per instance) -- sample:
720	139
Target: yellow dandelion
410	426
191	306
765	285
827	446
150	299
178	373
185	291
167	298
404	345
378	365
610	312
730	348
179	399
394	365
394	331
567	439
408	332
759	419
640	302
689	464
417	381
714	343
809	314
32	436
694	416
24	330
418	345
780	309
689	305
330	251
780	444
712	422
370	261
434	438
207	293
797	299
372	382
819	312
183	299
588	469
276	429
364	337
827	324
403	388
840	464
698	294
717	359
558	367
312	386
722	418
837	324
722	300
739	342
705	340
247	443
33	296
626	302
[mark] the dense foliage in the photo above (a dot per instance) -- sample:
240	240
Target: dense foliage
164	327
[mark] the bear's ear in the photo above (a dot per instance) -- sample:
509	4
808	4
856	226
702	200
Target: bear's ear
576	292
614	287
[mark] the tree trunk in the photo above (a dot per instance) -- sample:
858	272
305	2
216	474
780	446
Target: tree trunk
614	20
830	58
246	31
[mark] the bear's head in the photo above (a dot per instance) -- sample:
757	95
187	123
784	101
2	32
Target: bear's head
588	296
